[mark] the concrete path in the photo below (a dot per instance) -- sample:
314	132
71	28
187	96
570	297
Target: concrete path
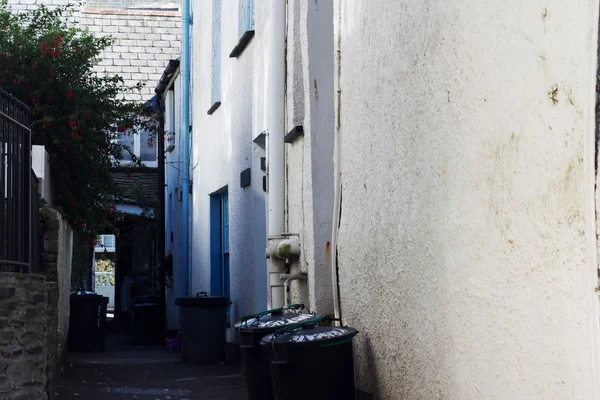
124	371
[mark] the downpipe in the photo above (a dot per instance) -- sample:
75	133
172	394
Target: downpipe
337	176
287	279
280	250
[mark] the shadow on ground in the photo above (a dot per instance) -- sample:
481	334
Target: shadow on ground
125	371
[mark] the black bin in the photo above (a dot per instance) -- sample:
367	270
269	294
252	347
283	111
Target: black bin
255	367
87	322
147	323
311	362
203	322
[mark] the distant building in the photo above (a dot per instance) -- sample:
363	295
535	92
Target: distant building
105	244
147	34
169	93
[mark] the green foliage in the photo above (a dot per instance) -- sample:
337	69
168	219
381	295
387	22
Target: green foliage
76	114
105	265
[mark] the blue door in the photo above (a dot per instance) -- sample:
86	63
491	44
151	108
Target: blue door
224	250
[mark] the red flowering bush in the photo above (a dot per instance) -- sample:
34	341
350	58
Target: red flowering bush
76	113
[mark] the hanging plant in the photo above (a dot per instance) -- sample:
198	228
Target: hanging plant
76	113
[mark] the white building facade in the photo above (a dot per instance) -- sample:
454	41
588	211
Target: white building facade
171	101
229	140
467	241
228	222
441	158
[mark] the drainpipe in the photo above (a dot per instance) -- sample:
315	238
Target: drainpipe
185	147
337	202
275	83
337	176
287	279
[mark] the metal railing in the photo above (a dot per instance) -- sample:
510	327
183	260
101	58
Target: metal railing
18	252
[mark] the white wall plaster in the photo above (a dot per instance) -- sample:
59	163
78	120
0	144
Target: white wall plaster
463	255
222	149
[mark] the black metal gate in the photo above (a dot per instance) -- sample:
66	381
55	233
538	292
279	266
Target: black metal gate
18	252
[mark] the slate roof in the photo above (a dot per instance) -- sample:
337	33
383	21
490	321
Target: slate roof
139	186
147	35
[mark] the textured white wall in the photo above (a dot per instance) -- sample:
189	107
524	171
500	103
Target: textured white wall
173	174
310	103
221	150
41	167
464	261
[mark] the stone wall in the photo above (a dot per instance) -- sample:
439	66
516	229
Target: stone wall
57	259
23	337
34	317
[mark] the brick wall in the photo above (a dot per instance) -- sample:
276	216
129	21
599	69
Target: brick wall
23	337
145	39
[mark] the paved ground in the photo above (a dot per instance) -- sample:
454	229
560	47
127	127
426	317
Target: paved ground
124	371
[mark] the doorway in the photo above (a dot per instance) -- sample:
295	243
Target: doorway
219	226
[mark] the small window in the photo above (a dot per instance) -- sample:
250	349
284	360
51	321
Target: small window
105	244
245	16
126	140
108	240
147	147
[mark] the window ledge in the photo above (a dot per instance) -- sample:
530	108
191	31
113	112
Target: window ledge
241	45
214	107
294	134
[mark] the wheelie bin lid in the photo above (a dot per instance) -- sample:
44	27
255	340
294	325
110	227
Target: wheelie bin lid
308	333
270	320
83	293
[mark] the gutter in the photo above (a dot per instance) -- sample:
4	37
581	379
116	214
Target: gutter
166	77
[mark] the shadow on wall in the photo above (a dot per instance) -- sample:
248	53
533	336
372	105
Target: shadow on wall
369	392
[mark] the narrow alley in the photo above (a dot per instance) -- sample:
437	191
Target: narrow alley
124	371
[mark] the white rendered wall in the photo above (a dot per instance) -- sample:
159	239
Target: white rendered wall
221	149
173	228
463	251
310	103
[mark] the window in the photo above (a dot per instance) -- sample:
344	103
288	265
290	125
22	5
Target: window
216	56
147	147
126	140
245	16
105	243
142	145
245	27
